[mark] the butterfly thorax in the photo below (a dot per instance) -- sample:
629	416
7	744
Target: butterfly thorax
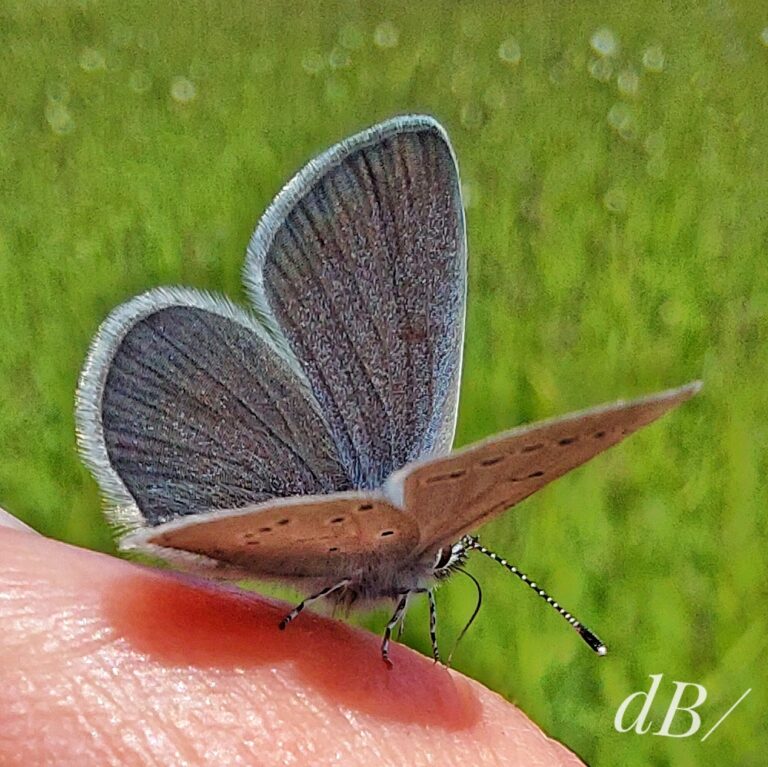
379	580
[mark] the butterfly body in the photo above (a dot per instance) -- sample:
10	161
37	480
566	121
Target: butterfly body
308	440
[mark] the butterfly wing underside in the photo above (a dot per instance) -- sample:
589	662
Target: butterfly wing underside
456	494
313	537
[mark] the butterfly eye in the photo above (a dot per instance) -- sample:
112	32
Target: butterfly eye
442	558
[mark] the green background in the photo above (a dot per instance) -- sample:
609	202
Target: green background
614	160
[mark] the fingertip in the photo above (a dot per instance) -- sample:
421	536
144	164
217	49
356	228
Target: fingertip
151	649
8	520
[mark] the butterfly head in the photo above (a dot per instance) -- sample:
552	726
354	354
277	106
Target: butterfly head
451	558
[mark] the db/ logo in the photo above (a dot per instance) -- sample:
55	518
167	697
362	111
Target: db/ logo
694	720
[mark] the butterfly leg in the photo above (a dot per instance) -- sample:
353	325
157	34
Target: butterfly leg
320	594
433	624
398	615
400	628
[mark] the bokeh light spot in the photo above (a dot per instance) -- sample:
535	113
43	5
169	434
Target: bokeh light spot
653	59
386	35
509	51
92	60
183	90
604	42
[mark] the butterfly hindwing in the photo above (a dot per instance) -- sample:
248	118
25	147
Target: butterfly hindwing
360	263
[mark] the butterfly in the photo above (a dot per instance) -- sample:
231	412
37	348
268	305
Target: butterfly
308	440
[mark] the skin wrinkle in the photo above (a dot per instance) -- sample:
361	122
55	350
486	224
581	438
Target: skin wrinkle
141	735
95	688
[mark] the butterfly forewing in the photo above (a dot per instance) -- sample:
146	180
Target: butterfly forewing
361	261
321	536
453	495
185	406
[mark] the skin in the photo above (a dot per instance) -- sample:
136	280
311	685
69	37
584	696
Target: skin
105	662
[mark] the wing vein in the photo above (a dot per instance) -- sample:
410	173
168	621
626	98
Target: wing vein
257	418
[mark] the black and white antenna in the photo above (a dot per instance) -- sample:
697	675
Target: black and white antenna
588	636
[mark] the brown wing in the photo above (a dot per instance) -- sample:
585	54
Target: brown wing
455	494
313	536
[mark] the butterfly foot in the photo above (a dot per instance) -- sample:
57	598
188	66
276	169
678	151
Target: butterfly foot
287	619
387	662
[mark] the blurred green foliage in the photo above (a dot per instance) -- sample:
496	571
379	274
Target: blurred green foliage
615	163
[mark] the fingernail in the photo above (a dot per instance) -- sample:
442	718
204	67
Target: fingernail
8	520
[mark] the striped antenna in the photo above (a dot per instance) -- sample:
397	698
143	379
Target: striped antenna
588	636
